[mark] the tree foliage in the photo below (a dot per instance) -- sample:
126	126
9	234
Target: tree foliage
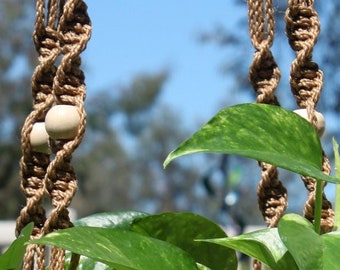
16	61
234	40
129	133
119	164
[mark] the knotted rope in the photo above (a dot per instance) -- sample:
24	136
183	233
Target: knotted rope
264	76
306	80
62	29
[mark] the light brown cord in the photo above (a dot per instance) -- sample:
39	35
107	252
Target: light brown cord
257	265
65	32
69	88
33	165
306	80
264	76
272	195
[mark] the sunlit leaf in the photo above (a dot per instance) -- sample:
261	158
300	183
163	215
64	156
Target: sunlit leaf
12	258
264	245
263	132
302	241
337	187
86	263
182	229
119	248
121	220
310	250
331	247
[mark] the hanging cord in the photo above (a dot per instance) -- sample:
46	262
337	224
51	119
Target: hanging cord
264	76
306	80
34	164
64	31
74	31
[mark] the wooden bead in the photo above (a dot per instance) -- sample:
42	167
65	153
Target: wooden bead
320	120
62	122
39	138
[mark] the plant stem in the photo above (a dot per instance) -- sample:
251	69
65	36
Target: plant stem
74	261
337	206
337	188
318	194
318	206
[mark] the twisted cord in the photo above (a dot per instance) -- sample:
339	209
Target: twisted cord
65	30
33	165
73	31
327	213
272	195
264	76
303	28
257	265
306	80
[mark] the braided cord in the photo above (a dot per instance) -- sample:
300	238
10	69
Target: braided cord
62	28
33	164
69	88
264	76
306	80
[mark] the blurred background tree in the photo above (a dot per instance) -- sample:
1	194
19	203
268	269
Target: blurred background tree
128	137
326	53
130	132
17	59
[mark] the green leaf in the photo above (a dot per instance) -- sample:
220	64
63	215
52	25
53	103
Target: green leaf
202	267
337	187
263	132
119	248
13	256
182	229
302	241
121	220
264	245
309	249
116	220
331	247
86	263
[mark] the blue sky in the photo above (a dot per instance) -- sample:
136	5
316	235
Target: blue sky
132	37
135	36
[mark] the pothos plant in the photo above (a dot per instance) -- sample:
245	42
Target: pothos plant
136	240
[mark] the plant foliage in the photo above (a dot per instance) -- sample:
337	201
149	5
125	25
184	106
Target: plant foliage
12	258
135	240
263	132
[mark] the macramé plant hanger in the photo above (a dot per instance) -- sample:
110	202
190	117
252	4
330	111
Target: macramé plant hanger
306	80
56	125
